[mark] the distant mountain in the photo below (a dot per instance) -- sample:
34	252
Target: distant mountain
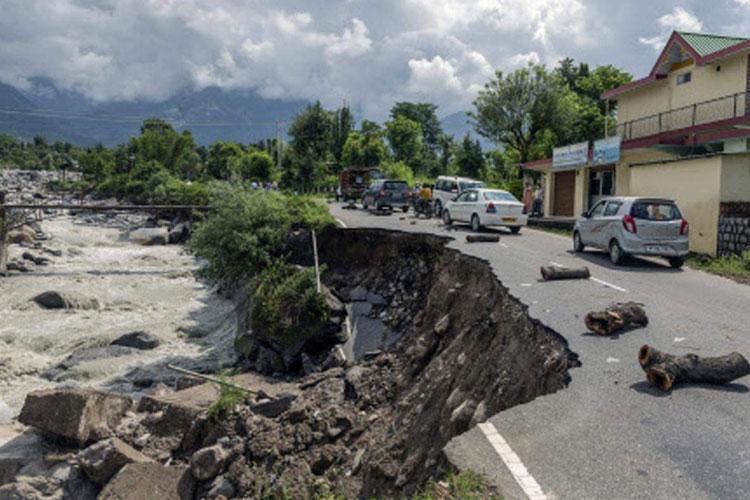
210	114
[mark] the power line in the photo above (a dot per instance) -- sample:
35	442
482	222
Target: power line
136	120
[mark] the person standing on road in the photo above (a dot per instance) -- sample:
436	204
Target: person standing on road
538	201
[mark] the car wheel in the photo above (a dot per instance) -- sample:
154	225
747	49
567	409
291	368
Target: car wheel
438	208
578	245
405	208
446	217
676	262
515	229
364	203
475	225
615	252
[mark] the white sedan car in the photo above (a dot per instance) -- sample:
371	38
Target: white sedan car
486	207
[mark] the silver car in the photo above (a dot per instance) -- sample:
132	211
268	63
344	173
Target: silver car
634	226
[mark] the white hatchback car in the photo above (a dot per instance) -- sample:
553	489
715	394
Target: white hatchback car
486	207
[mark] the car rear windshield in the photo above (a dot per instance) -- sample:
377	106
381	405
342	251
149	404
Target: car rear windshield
471	185
498	196
655	210
395	186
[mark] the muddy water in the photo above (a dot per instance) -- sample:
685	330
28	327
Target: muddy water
139	288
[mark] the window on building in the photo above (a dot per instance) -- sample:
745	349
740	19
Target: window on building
684	78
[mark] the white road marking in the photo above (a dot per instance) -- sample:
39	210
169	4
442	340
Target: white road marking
525	284
517	469
342	223
555	264
679	339
504	245
612	360
609	285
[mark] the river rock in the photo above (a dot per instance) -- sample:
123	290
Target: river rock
206	463
24	234
76	414
137	340
65	300
104	459
179	233
150	236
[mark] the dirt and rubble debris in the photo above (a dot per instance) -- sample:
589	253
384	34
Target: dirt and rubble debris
54	299
139	481
149	236
75	414
665	370
616	318
104	459
550	273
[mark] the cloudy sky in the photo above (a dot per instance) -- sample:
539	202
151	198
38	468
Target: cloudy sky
370	52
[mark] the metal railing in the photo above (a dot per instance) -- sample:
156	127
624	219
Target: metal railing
701	113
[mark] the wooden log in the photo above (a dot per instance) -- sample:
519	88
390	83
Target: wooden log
565	273
616	317
482	238
665	370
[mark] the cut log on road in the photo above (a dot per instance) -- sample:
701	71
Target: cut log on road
482	238
616	317
565	273
664	370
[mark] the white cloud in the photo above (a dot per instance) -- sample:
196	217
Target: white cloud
677	20
370	53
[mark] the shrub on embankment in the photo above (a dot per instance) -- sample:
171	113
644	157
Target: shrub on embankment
246	231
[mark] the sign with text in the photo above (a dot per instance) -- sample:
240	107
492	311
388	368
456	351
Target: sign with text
573	155
607	150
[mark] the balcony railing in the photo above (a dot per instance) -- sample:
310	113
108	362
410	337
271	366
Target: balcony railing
722	108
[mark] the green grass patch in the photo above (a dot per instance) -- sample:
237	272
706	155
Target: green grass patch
466	485
736	267
229	398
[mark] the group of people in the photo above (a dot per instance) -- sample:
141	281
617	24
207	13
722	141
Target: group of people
533	199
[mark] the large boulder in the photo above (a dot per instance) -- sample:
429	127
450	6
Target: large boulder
24	234
104	459
137	340
179	233
79	415
65	300
149	236
206	463
145	481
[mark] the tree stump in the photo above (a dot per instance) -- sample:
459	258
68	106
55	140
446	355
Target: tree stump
565	273
482	238
616	317
664	370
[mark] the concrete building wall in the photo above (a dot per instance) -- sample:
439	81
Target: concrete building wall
707	83
695	185
643	102
735	178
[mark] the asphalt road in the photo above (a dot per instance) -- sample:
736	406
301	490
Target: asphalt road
609	435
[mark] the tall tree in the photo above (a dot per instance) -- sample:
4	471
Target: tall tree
312	132
469	158
405	137
426	115
513	109
343	124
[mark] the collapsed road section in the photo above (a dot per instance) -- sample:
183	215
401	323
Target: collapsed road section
452	347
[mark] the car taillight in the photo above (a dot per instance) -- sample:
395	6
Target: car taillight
525	210
491	209
684	226
628	222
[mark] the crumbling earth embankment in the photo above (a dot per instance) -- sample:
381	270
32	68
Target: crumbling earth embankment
465	350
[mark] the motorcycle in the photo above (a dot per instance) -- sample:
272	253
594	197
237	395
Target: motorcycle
423	207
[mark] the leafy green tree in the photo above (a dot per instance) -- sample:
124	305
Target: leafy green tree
469	157
343	124
512	109
426	115
312	132
220	158
399	171
405	137
161	143
254	166
364	150
446	146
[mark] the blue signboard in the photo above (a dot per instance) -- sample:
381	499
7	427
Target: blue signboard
607	151
571	156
